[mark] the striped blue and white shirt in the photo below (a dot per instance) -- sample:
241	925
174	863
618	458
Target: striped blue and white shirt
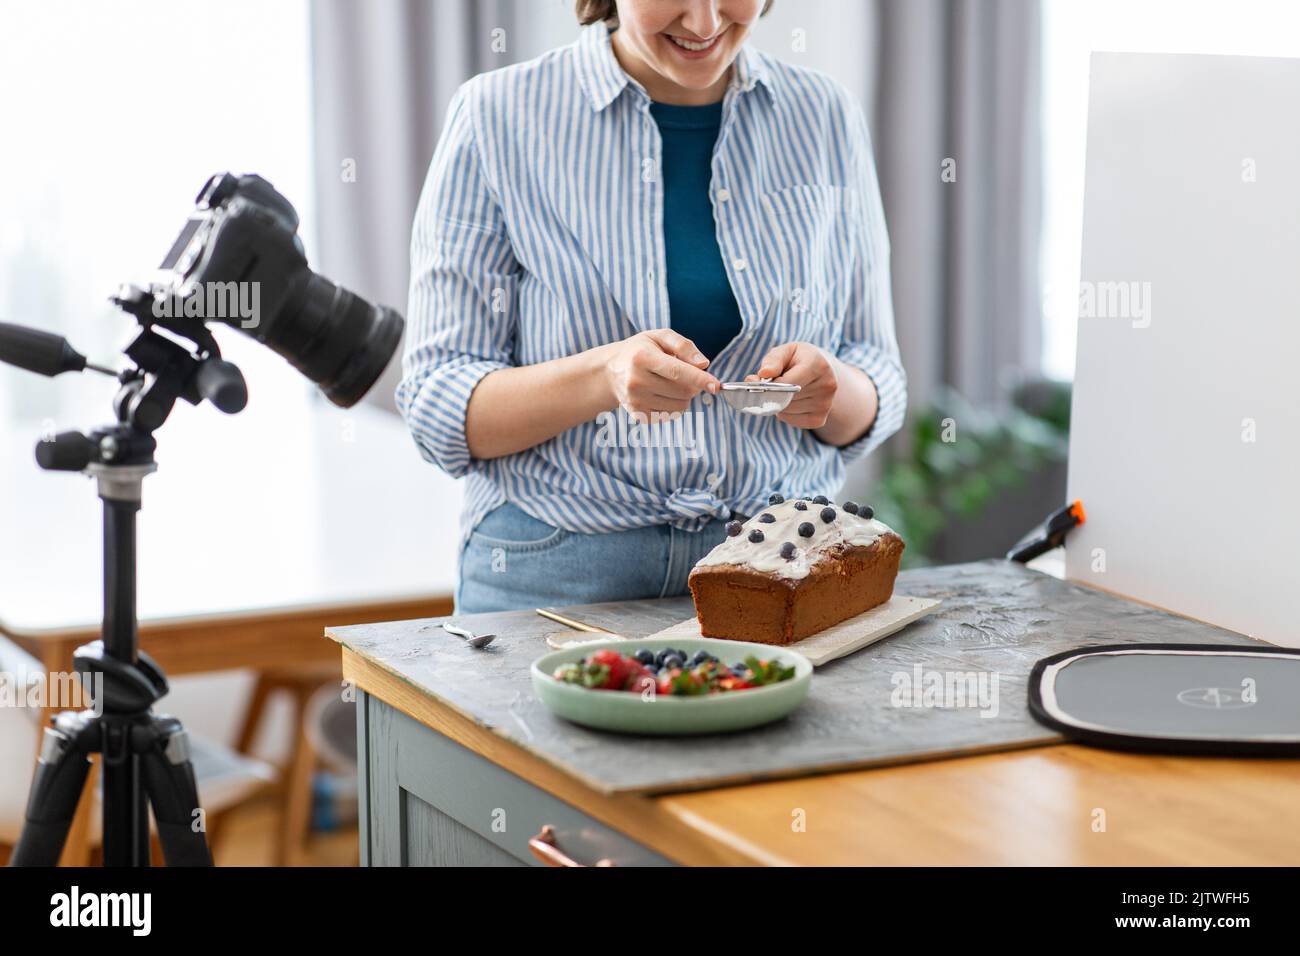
539	234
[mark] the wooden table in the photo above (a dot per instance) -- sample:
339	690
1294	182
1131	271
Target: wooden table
257	531
437	780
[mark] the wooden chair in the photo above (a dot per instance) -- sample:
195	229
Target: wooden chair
295	782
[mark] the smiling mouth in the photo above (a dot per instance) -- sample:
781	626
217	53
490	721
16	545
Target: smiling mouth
693	46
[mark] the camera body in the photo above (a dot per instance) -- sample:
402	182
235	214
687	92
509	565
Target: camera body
241	232
239	260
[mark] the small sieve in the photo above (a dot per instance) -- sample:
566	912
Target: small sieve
763	397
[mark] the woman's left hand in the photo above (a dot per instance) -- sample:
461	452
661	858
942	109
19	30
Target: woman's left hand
805	365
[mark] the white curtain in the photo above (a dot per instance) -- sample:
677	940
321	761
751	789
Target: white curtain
382	74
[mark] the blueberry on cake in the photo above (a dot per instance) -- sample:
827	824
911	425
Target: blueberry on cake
794	569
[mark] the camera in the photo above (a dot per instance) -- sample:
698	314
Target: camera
239	261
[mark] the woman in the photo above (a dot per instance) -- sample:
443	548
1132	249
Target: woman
607	234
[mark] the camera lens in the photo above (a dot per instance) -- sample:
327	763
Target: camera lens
333	337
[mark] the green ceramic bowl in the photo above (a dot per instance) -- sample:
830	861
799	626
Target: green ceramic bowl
632	713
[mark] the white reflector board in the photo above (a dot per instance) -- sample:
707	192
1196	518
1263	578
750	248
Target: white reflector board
1185	435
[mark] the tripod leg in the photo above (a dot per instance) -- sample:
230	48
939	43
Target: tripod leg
56	790
169	780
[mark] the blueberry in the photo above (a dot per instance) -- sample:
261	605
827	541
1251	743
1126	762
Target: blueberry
787	550
662	656
739	668
806	529
821	500
828	515
766	517
775	499
866	511
801	505
733	528
850	506
645	657
699	658
756	536
673	660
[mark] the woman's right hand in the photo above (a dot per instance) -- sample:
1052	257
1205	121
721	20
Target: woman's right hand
657	371
517	408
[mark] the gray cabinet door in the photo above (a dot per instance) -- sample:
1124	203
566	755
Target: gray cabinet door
427	801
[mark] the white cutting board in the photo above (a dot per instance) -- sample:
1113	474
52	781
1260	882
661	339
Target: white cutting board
843	638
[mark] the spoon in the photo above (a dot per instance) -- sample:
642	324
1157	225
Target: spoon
478	642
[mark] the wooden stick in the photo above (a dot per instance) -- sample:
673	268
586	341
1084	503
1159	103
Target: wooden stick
570	622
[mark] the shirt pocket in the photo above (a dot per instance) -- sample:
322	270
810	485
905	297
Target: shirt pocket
811	236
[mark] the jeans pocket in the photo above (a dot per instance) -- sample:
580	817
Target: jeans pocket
509	527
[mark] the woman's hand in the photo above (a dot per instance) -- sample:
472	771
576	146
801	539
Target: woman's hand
656	371
514	409
837	401
798	363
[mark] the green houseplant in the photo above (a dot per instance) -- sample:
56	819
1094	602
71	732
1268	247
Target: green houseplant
970	481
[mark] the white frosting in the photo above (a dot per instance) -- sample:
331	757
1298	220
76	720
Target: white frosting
765	555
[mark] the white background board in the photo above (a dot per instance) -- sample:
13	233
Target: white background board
1185	433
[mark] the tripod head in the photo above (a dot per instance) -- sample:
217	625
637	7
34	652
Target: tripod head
164	370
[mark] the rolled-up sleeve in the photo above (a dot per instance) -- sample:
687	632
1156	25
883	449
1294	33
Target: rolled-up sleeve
464	275
869	341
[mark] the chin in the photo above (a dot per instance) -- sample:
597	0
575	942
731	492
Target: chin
692	79
695	76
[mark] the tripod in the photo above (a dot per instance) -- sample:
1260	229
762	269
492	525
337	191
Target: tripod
145	756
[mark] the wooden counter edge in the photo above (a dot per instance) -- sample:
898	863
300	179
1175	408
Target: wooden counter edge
680	837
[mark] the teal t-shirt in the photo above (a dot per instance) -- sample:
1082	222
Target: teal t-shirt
701	305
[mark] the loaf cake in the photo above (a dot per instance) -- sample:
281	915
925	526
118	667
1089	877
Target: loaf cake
794	569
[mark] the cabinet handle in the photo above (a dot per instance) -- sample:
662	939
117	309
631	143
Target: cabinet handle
546	849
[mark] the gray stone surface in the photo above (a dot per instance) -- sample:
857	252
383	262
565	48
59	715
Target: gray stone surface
997	618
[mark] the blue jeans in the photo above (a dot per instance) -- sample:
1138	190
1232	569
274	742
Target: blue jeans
514	561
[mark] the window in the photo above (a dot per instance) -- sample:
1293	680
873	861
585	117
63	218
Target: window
113	117
1072	29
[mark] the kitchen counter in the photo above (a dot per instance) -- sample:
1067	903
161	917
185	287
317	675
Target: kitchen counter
460	764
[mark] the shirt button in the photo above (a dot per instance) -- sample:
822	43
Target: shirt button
724	195
650	275
740	264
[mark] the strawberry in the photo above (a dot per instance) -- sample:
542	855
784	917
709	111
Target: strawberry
620	668
640	679
734	683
